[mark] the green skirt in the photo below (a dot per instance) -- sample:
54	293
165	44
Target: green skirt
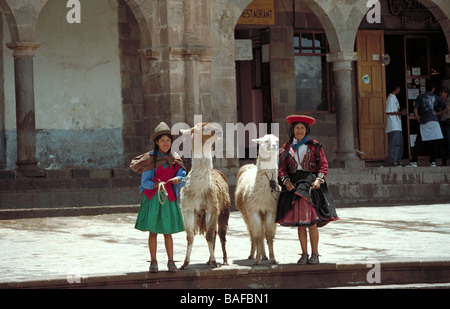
159	218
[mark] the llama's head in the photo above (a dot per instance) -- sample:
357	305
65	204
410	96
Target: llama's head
268	147
267	143
203	135
204	131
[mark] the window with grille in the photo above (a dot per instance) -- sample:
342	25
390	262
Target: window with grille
312	73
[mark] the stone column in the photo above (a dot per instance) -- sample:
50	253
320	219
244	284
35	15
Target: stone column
25	113
344	88
196	55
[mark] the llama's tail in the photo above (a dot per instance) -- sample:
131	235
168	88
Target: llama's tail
200	223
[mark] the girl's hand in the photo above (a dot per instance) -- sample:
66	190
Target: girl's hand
175	180
156	184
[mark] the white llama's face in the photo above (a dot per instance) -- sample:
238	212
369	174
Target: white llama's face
268	143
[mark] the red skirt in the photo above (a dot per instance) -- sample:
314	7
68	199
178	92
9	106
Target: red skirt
295	209
302	213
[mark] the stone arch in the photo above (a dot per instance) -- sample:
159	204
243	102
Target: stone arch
338	22
12	24
22	19
143	12
22	25
439	9
240	6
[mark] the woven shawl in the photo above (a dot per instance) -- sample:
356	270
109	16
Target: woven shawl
145	161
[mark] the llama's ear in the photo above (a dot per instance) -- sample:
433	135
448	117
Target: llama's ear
256	140
197	128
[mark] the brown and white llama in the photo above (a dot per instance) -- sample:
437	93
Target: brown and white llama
205	198
256	197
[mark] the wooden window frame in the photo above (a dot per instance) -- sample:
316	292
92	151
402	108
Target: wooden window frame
321	51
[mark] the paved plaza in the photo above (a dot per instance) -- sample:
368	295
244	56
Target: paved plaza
55	247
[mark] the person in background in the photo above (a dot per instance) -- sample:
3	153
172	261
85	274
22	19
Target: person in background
425	108
394	127
444	121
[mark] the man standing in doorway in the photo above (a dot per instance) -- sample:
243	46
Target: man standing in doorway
394	127
430	131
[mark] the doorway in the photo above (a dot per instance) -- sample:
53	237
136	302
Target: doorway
253	86
414	59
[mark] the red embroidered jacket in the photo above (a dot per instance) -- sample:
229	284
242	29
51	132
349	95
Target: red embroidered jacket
314	160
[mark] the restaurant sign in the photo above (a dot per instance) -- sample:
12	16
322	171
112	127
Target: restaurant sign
411	12
258	12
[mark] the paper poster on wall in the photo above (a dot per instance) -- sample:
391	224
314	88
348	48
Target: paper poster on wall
415	71
413	93
366	79
243	50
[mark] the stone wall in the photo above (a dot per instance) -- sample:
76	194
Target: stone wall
132	90
81	190
70	188
389	186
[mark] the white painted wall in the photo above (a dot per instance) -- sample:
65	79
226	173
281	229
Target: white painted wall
77	68
77	85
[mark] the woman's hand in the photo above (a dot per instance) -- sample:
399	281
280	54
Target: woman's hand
289	186
316	184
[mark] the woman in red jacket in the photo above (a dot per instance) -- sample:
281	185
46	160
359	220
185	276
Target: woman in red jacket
304	201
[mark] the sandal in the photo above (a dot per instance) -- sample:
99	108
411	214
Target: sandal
303	259
153	266
314	259
171	266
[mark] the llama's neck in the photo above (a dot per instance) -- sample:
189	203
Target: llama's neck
202	161
267	161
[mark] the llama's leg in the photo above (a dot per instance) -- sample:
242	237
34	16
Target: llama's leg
211	226
223	225
256	236
189	228
271	228
263	233
252	242
252	249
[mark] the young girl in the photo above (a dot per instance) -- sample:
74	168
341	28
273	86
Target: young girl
159	212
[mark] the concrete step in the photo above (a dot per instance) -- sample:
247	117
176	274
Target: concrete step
282	276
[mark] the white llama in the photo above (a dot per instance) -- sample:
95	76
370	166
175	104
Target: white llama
205	198
256	197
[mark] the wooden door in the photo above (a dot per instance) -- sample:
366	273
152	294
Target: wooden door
371	95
